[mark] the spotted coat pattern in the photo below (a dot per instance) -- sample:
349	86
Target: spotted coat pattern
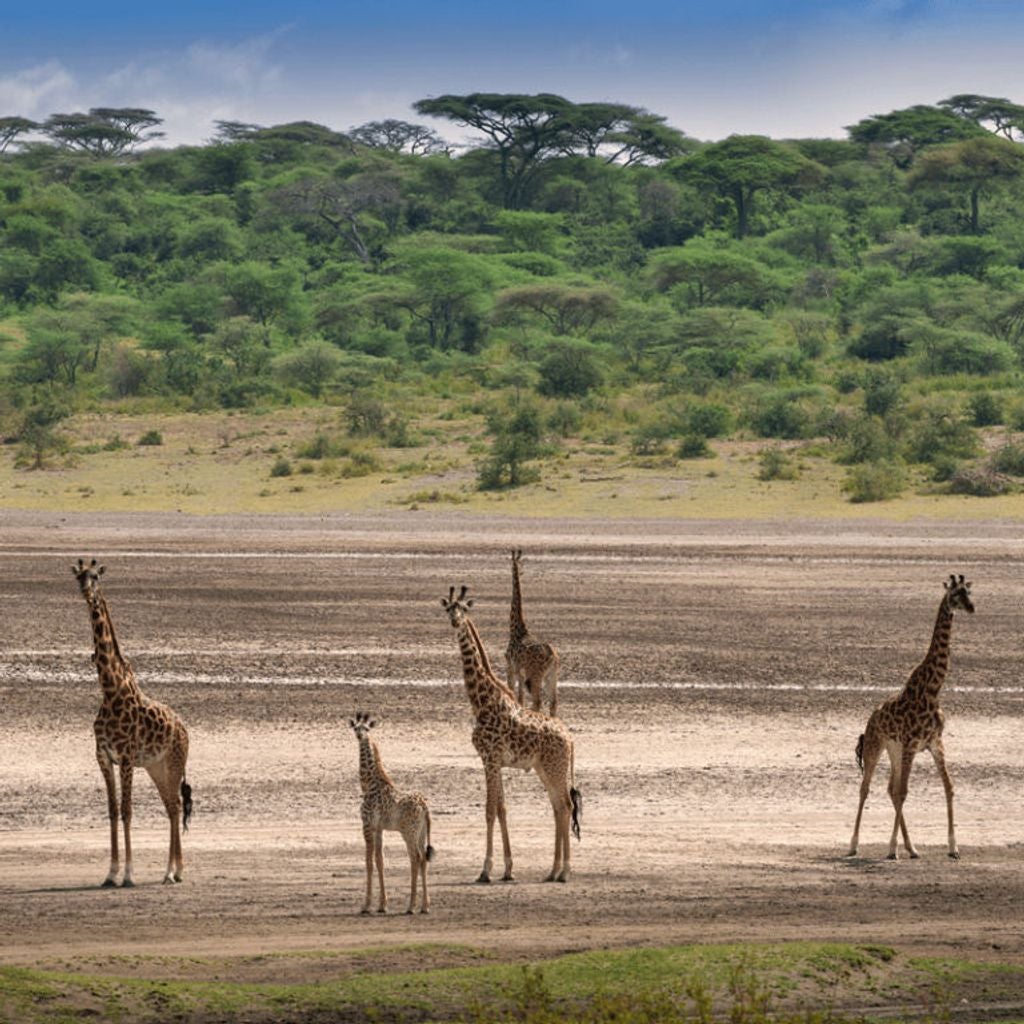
911	722
133	731
530	663
507	735
384	809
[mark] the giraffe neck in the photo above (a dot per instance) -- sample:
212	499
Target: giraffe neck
517	624
371	771
114	671
482	686
929	676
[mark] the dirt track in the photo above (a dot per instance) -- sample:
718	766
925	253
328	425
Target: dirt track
716	677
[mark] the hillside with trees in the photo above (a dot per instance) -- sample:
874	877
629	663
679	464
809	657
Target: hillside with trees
577	273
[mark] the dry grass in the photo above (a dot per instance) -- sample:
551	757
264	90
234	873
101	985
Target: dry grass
221	462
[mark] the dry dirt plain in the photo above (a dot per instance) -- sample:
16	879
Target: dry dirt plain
715	676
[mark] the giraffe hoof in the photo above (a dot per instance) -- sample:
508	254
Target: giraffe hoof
914	855
891	856
382	910
954	854
168	879
424	910
484	879
365	911
108	883
127	884
178	878
508	878
409	912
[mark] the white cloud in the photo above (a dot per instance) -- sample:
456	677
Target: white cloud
38	91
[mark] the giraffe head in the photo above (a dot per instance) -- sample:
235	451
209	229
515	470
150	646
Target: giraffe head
362	724
517	555
457	607
958	593
88	576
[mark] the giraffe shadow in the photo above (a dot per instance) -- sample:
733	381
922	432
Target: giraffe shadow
53	889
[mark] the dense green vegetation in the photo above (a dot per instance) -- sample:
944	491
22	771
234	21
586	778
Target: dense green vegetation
582	271
799	982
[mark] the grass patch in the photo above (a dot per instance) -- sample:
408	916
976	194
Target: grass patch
750	983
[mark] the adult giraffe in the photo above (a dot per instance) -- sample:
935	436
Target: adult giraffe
133	731
911	722
509	736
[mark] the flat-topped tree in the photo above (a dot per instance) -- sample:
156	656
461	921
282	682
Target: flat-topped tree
103	131
12	127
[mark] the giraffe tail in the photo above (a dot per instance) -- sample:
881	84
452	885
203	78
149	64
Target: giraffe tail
860	753
186	804
429	853
575	796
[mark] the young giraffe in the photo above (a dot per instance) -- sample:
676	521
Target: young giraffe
384	809
509	736
911	722
529	661
133	731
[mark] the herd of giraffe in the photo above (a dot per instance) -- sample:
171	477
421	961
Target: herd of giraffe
134	731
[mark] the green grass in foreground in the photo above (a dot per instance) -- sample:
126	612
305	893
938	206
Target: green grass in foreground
744	984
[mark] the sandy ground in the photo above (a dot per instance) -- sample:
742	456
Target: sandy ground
715	677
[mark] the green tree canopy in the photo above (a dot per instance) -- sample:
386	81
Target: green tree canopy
743	165
976	165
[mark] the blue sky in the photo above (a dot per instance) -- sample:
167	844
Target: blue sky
785	69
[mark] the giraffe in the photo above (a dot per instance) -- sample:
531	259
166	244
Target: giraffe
133	731
384	809
911	722
529	662
507	735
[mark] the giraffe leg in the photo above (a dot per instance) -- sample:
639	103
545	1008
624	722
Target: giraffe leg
492	782
898	785
369	844
127	770
169	794
939	756
108	777
382	903
872	751
414	868
506	844
425	902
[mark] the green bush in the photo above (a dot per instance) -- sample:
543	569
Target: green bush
281	467
985	409
694	446
978	482
776	464
151	437
875	481
1009	459
867	440
707	419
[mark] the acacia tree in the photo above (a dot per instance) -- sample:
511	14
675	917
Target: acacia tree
618	133
103	131
904	132
12	127
399	137
742	165
349	206
565	309
522	130
997	114
977	164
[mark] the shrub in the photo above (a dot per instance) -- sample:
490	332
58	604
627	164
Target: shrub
978	481
779	416
867	440
875	481
985	409
281	467
565	419
940	432
694	446
707	419
569	370
882	390
151	437
776	464
1009	459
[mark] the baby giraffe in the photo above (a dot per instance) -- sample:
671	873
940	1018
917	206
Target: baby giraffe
384	808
